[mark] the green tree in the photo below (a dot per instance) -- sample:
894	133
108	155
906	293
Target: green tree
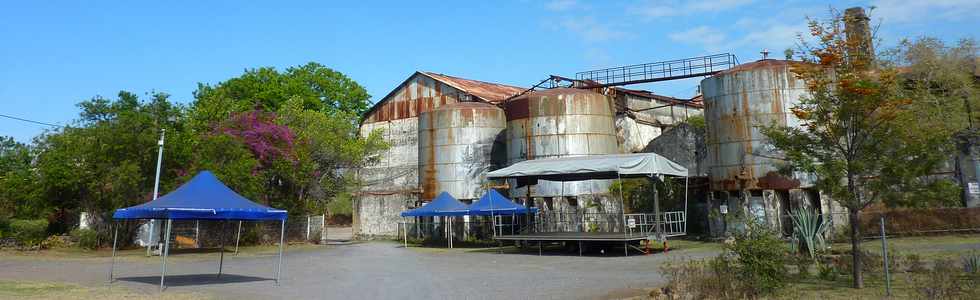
318	88
107	158
304	134
328	147
857	135
17	192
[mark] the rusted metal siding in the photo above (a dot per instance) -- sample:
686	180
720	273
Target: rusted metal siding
392	184
737	103
456	147
556	123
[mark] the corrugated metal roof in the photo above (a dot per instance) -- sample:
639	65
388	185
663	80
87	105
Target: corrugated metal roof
693	102
488	91
484	91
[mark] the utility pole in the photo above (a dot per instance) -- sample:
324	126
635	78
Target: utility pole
156	186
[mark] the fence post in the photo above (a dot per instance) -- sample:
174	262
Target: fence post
308	228
884	255
323	229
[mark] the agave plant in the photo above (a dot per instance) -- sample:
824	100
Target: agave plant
808	228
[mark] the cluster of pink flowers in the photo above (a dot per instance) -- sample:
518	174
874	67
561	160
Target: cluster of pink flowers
260	133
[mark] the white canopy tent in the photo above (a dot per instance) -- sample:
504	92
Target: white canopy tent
593	167
610	166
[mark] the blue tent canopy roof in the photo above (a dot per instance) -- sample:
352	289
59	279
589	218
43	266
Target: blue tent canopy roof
442	205
204	197
493	203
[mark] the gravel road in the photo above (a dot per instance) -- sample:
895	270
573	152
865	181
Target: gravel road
372	270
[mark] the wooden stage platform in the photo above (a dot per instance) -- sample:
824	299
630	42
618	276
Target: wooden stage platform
576	236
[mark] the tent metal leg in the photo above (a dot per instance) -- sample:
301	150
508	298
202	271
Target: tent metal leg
282	241
238	237
579	248
112	266
165	251
221	255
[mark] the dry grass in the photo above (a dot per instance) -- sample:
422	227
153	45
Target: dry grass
927	247
50	290
140	253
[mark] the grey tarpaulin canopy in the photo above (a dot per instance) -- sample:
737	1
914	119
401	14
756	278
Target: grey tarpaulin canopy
609	166
592	167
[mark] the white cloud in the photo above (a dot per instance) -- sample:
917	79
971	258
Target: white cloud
902	11
709	38
587	28
670	8
749	35
561	5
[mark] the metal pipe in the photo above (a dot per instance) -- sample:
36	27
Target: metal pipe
686	178
282	241
238	237
884	254
112	266
221	256
165	251
156	184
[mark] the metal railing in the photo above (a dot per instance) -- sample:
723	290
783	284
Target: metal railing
673	223
660	71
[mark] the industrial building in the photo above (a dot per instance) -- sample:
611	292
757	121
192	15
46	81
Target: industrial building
446	132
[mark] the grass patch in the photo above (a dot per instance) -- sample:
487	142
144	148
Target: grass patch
928	247
52	290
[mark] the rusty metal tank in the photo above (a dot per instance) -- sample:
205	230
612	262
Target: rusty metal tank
556	123
457	144
737	102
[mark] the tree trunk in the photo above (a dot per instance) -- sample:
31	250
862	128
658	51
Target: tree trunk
855	247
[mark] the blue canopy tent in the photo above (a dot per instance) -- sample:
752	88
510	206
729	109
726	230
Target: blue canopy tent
443	205
204	197
493	204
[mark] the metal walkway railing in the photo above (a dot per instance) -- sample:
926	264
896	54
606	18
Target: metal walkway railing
659	71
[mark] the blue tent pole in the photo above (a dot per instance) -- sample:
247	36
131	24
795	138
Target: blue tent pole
282	240
165	252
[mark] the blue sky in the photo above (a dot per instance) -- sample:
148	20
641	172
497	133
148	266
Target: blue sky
56	54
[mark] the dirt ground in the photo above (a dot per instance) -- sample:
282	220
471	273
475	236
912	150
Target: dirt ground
372	270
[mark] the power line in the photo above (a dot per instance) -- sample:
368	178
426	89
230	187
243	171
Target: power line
29	121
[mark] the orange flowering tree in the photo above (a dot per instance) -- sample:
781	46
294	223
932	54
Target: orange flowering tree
859	134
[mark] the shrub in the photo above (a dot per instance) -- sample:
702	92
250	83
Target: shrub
29	232
4	227
971	263
809	229
86	238
908	221
826	272
914	263
54	242
803	264
761	259
942	282
713	279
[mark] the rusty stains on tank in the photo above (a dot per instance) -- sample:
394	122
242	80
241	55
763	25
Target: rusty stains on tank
738	102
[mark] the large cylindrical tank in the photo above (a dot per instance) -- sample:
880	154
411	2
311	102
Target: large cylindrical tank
737	102
556	123
457	147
